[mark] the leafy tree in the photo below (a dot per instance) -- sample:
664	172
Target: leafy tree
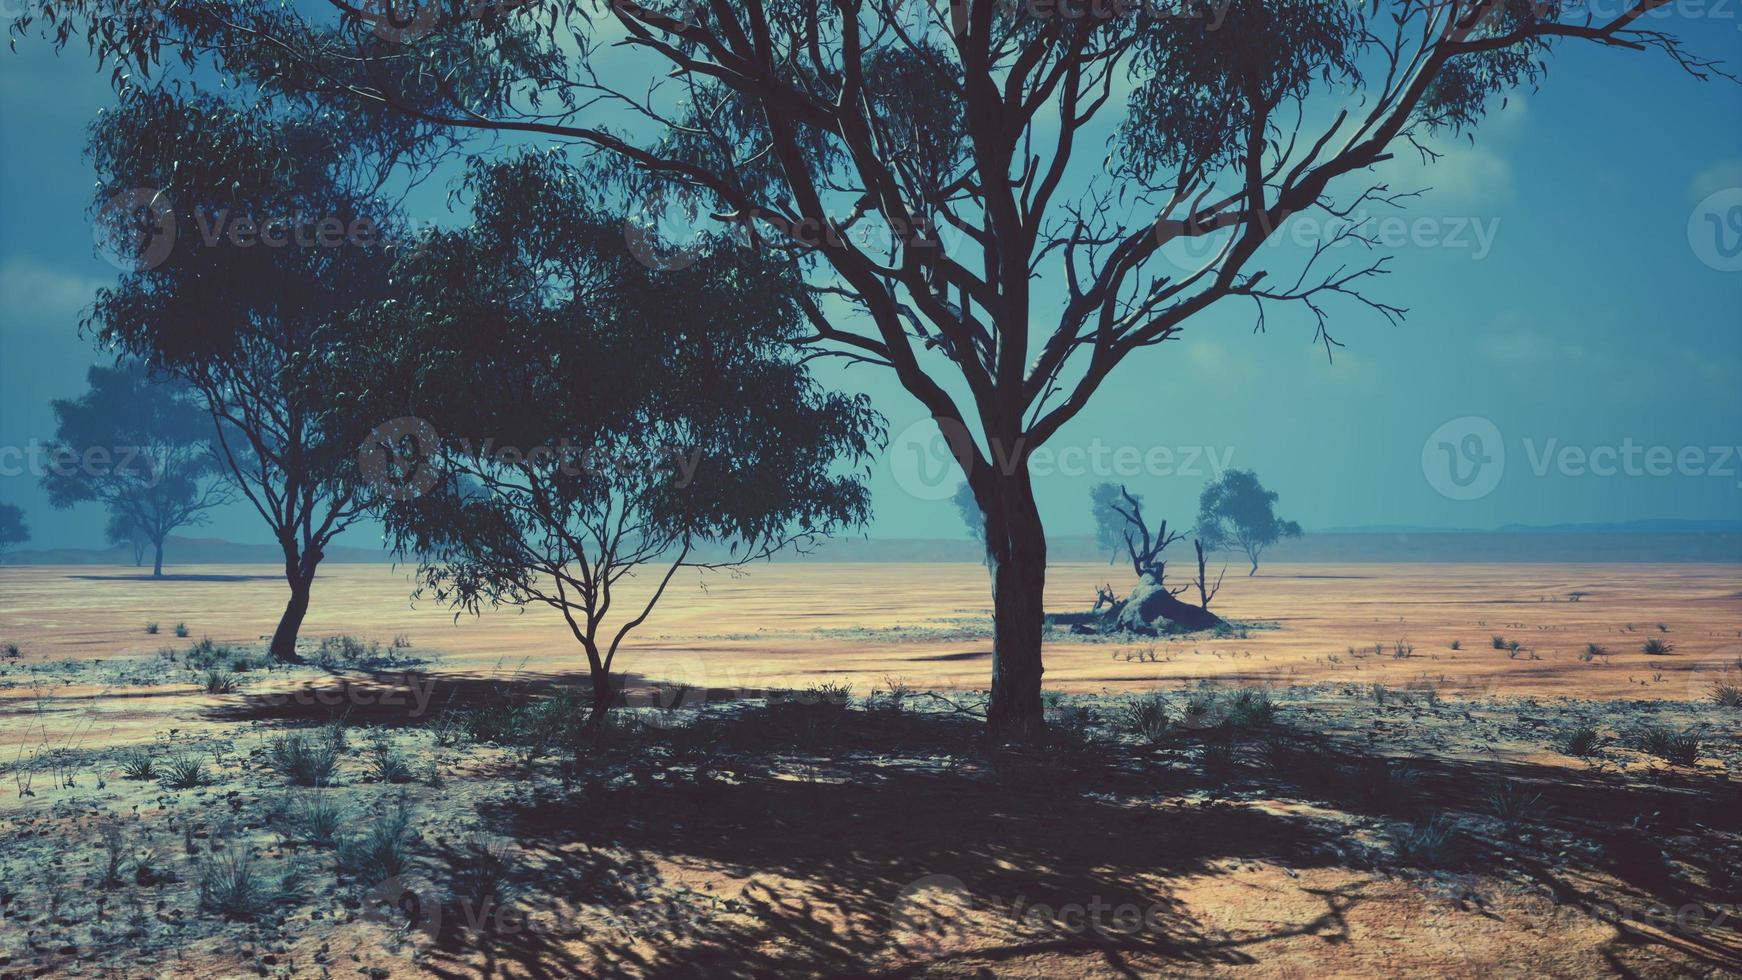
120	530
140	447
579	426
1236	512
941	172
1110	524
275	248
13	530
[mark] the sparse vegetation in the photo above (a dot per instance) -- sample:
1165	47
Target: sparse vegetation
184	771
386	764
1678	748
231	886
1657	647
1514	805
181	630
151	628
1727	693
1593	651
1144	717
1582	741
1498	641
1457	644
314	818
382	850
306	758
1430	843
138	763
221	682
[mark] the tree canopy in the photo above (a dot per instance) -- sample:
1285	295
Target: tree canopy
1236	511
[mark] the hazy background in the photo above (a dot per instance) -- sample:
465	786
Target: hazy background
1593	318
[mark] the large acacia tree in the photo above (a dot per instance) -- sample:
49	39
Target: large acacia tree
570	417
999	201
274	245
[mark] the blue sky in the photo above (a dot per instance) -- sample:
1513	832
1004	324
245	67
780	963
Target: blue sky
1567	291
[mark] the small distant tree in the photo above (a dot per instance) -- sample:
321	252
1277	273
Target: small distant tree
969	509
1109	523
142	448
120	530
13	530
1237	513
598	428
279	246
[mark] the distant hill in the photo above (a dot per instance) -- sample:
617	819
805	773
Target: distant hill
1630	541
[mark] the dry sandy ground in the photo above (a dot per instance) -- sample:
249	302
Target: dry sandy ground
794	624
750	838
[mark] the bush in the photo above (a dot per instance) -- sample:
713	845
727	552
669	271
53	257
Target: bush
221	682
1677	748
1499	642
387	764
231	887
138	764
1144	717
1593	651
151	628
1657	647
1513	804
1430	843
314	819
1583	741
1251	706
181	630
184	772
306	758
1457	644
1726	693
381	852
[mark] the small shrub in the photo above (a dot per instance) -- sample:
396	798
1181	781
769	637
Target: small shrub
181	630
305	758
1251	706
381	852
185	772
221	682
1657	647
315	819
1145	717
1402	649
231	886
1457	644
1499	642
1677	748
1389	786
1513	804
1582	741
1218	756
138	763
1726	693
1430	843
387	764
114	856
1592	652
151	628
12	652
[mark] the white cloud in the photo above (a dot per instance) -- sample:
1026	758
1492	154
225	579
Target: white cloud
1722	175
37	295
1466	174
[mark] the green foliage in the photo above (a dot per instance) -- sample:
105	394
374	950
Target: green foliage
138	763
382	850
13	529
230	885
315	819
181	630
1657	647
221	682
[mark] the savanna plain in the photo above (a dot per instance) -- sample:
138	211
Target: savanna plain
1417	770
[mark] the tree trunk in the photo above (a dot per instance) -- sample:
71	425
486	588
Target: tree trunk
602	696
1016	554
157	563
283	647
